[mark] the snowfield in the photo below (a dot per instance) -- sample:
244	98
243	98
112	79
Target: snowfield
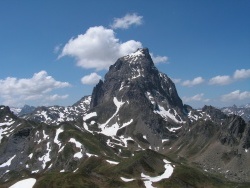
26	183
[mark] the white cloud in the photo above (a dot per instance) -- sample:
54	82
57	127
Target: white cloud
198	97
56	97
193	82
241	74
126	21
14	91
224	80
236	95
98	48
159	59
91	79
176	80
220	80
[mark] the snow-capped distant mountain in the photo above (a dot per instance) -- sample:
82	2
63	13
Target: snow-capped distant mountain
26	109
243	111
57	114
15	110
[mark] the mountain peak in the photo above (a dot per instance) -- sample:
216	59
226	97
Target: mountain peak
135	91
139	52
139	56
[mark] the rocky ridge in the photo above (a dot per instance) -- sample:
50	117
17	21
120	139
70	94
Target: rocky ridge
54	115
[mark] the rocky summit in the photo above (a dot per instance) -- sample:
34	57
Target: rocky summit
137	100
133	131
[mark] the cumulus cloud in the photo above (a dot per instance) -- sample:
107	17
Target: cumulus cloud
98	48
220	80
15	90
236	95
241	74
56	97
198	97
159	59
195	81
176	80
225	79
91	79
127	21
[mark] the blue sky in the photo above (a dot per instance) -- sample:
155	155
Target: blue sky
53	52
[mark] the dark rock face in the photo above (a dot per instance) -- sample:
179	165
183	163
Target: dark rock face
214	113
145	92
135	74
97	94
234	128
26	110
246	137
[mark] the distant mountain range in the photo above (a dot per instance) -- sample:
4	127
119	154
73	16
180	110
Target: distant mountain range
133	131
243	111
57	114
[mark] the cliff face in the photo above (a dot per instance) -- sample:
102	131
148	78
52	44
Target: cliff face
146	97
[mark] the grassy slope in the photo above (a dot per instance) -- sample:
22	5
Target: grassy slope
96	172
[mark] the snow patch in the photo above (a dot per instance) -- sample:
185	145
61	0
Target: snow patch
79	154
26	183
8	163
173	129
7	123
45	136
148	184
90	115
111	130
58	131
30	155
46	157
90	155
75	170
167	115
34	171
126	124
112	162
164	140
126	179
167	173
45	115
